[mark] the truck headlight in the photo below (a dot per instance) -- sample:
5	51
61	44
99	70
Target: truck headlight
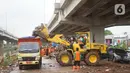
37	58
20	59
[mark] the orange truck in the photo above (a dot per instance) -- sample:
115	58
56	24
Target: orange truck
29	52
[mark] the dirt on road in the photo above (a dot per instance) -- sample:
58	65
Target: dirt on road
51	66
107	67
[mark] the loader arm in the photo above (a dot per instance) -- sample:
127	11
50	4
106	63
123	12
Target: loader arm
42	32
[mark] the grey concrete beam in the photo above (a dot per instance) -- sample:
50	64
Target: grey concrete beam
57	24
87	5
72	32
82	20
77	22
107	8
79	29
96	21
97	5
70	29
65	28
111	8
73	7
64	3
115	22
59	28
58	21
53	19
73	22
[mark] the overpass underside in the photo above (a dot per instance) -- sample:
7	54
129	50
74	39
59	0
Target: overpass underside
89	15
68	29
101	13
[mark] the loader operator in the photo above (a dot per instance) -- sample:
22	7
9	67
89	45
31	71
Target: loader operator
81	41
77	58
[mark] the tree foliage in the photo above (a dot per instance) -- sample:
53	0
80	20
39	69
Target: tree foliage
121	45
108	32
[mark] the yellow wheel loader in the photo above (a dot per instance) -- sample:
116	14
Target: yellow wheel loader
91	52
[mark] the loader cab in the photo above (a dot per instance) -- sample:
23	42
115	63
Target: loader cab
82	39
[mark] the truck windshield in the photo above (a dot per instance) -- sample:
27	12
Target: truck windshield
29	47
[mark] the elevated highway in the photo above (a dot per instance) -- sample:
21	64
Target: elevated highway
5	35
8	37
87	15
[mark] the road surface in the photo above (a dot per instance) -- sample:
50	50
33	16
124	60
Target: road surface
51	66
48	66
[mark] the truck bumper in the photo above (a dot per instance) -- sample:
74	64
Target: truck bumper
28	62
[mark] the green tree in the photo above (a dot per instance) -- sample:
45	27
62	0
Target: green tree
107	32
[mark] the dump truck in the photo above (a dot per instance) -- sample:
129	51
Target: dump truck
29	52
91	52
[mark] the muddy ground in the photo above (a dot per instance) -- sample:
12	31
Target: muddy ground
51	66
107	67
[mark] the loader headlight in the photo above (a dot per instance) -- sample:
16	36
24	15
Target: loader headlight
37	58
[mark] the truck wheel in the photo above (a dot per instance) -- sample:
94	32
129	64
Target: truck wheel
92	58
41	60
64	58
40	64
20	67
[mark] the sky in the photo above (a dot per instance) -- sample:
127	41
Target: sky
118	30
20	17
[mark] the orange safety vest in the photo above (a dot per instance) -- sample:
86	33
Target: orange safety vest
77	56
49	50
42	52
52	49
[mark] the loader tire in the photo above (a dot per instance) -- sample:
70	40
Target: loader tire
64	58
20	67
92	58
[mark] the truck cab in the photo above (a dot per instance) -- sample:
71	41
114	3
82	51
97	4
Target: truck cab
29	52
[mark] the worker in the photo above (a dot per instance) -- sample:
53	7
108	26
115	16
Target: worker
46	51
80	40
42	52
50	50
72	40
85	39
77	57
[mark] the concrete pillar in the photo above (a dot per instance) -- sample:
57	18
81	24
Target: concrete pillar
97	34
14	42
8	43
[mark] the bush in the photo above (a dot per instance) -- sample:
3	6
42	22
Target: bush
8	60
122	45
